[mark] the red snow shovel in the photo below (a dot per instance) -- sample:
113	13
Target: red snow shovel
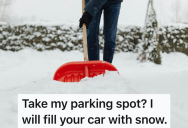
75	71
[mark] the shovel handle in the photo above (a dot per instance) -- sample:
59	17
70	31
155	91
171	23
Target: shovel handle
84	35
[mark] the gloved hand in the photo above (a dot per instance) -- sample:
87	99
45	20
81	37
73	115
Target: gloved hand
86	18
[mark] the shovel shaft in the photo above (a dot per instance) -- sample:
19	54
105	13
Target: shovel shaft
84	35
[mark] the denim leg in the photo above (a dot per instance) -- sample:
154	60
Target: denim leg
111	15
92	37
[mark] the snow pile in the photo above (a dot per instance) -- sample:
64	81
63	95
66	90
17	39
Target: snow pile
110	83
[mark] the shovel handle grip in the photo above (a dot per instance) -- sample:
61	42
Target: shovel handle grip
84	35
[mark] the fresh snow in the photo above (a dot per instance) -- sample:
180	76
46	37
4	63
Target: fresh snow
31	72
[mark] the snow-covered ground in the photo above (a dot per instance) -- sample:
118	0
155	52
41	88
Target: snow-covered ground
31	72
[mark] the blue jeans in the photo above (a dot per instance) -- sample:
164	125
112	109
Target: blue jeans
111	15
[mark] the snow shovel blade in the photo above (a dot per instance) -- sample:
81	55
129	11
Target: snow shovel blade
75	71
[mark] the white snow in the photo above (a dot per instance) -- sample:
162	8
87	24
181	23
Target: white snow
31	72
177	25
